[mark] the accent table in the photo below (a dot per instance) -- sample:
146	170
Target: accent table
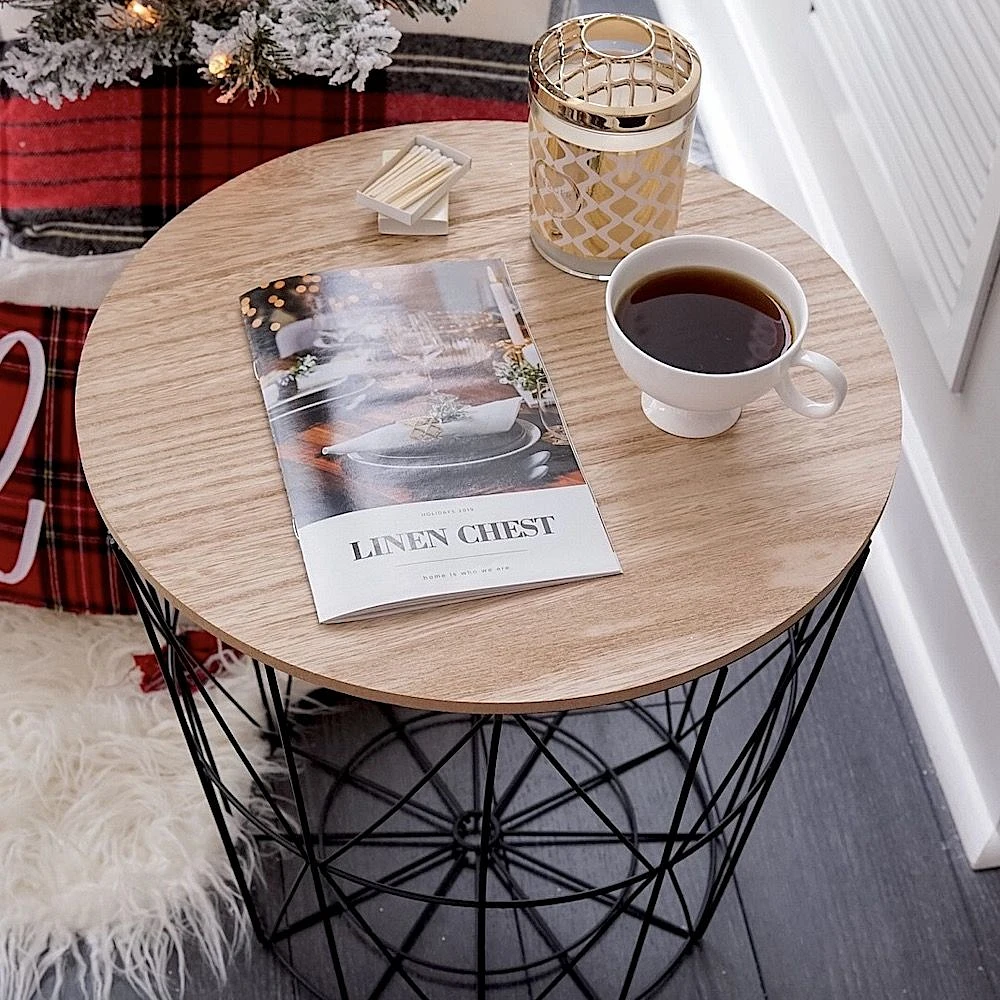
751	541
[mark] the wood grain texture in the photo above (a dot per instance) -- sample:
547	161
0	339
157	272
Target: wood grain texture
723	541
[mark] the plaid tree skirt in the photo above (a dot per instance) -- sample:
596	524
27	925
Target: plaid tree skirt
102	175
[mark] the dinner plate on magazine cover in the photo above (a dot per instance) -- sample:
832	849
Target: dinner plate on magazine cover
511	446
332	392
454	450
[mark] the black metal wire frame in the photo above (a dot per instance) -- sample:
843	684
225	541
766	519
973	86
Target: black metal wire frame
510	818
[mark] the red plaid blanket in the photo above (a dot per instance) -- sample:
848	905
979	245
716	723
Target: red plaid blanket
73	569
103	175
209	653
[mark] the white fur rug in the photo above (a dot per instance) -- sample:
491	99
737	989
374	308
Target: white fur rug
110	862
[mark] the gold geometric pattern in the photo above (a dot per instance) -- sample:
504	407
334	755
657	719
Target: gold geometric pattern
600	205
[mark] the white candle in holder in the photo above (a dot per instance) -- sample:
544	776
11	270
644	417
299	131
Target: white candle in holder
502	300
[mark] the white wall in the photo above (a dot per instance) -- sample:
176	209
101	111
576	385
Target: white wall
511	21
12	21
769	115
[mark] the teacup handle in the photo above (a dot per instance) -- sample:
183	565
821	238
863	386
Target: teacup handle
801	403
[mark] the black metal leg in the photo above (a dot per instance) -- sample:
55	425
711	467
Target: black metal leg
160	630
576	854
284	734
483	858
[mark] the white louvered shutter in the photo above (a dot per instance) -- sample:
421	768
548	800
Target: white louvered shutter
921	83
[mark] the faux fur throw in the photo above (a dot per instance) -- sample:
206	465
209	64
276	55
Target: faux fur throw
110	862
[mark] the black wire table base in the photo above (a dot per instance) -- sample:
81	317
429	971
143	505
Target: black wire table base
394	853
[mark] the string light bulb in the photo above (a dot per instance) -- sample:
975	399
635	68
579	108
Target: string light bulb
219	62
139	11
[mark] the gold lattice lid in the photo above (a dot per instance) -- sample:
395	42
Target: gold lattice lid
615	72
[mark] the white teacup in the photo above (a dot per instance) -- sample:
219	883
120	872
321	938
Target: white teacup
694	404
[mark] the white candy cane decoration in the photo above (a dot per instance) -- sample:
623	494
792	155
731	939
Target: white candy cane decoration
15	448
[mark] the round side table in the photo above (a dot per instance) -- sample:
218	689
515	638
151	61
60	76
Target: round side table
538	793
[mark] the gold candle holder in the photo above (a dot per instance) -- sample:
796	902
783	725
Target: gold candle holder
612	106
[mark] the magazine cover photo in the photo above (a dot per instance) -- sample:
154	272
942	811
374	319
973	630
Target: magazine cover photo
398	384
421	444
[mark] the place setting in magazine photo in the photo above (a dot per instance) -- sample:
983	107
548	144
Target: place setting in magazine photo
392	393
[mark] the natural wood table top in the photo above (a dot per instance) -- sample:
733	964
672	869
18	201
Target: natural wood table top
724	542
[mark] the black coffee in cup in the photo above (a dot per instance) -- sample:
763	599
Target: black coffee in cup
704	319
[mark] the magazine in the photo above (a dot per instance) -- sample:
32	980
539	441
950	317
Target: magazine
422	448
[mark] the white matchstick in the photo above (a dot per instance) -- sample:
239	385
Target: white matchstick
416	160
412	157
425	169
407	165
414	195
431	173
391	194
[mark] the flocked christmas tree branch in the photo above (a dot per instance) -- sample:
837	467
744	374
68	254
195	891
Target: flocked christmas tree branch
242	46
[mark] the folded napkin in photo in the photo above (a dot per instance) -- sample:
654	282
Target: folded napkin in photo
487	418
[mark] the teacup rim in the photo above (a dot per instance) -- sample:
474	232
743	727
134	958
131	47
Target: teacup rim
712	238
